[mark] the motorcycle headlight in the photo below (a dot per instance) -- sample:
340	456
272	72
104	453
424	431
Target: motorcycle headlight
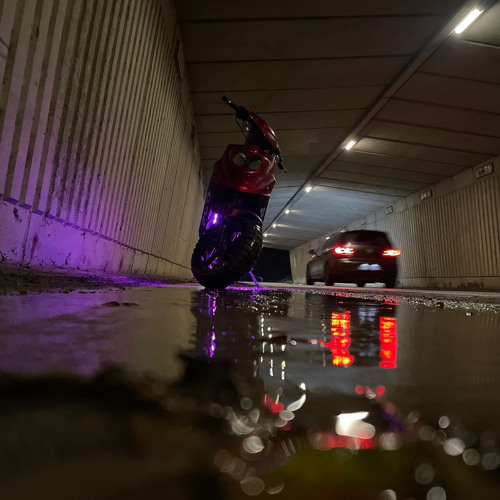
254	165
240	160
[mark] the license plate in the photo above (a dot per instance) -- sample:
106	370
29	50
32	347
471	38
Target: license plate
369	267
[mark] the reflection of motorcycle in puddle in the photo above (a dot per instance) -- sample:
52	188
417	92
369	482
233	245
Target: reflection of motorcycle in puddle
221	369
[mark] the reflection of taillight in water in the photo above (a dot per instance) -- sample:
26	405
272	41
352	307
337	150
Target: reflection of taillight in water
274	405
341	339
388	341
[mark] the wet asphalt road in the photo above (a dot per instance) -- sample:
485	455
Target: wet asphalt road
396	393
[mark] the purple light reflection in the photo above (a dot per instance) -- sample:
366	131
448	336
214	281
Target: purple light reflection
212	305
84	331
213	345
126	280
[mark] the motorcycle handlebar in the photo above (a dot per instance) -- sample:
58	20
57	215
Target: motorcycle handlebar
241	112
280	163
230	103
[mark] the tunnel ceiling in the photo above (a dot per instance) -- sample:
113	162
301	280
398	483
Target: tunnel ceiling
423	103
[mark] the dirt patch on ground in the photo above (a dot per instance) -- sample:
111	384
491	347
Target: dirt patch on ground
24	279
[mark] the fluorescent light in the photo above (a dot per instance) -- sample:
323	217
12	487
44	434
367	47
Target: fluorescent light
467	20
307	189
274	225
287	211
265	235
327	238
350	144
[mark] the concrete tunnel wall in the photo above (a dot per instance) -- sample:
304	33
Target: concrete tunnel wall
99	162
451	239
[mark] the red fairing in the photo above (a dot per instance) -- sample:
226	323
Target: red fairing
260	181
266	130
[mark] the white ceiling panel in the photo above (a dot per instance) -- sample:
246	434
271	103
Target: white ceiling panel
398	163
291	39
432	136
291	100
227	77
470	61
442	117
453	91
383	172
420	152
296	120
203	10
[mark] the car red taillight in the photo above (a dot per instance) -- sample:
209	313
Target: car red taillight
343	250
391	252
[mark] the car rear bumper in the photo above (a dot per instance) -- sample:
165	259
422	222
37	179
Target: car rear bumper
349	270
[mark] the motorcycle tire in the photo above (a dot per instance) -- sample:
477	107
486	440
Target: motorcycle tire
226	252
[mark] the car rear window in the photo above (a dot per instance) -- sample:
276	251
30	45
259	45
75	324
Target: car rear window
365	238
329	242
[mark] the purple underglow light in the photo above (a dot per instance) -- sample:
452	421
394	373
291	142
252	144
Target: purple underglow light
213	219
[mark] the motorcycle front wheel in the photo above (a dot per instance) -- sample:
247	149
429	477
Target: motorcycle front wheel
226	252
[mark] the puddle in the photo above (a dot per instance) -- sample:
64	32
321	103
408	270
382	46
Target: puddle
243	393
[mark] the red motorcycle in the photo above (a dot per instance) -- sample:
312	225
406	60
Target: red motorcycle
235	205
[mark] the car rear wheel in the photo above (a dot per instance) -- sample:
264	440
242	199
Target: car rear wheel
329	277
390	283
361	284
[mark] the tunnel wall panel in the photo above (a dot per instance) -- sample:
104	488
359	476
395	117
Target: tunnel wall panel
451	239
99	159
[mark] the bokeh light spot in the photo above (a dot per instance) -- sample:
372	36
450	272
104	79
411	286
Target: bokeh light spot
426	432
424	474
444	422
252	486
413	417
246	403
388	495
253	444
436	493
454	447
275	489
389	441
490	461
287	415
471	457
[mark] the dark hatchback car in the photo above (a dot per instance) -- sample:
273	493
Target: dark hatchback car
358	257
